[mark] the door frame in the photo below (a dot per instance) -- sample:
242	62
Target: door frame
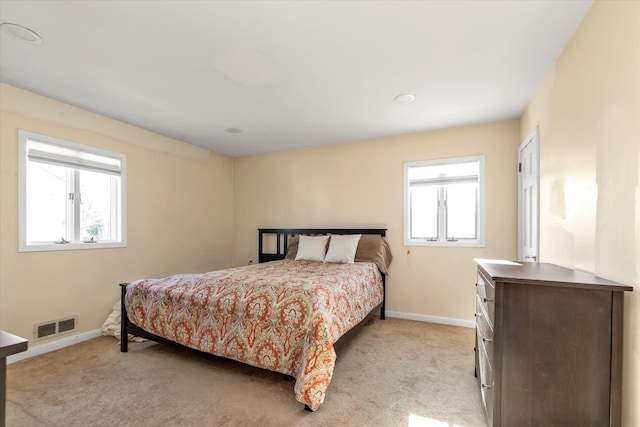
533	138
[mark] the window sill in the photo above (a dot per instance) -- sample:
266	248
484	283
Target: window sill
442	244
71	246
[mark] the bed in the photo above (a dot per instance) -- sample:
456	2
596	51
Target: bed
286	314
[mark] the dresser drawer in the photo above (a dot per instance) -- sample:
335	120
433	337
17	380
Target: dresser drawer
487	294
486	382
484	330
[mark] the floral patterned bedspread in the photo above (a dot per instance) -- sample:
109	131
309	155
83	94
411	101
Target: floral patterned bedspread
283	315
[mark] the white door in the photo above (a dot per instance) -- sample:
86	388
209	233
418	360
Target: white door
528	198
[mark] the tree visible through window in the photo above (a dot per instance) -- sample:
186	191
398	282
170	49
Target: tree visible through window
444	202
72	196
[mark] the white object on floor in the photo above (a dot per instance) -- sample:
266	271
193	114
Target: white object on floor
111	326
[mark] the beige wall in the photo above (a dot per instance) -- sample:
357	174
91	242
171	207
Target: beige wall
180	208
588	109
360	184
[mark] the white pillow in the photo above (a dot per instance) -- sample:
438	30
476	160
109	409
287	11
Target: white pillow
312	248
342	248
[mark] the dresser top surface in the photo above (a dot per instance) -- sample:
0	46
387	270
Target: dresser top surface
510	271
11	344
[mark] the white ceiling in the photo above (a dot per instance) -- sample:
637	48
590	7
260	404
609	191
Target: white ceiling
288	73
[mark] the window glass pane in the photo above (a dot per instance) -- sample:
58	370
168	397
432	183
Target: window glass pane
424	212
96	207
461	211
46	201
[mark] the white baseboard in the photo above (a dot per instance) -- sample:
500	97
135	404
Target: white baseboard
431	319
75	339
54	345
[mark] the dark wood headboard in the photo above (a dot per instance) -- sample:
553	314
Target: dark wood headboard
283	235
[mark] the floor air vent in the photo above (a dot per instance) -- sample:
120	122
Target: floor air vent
67	325
54	327
46	330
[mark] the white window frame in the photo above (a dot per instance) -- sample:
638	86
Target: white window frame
479	242
23	245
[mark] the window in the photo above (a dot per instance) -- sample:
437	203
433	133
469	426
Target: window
444	202
71	196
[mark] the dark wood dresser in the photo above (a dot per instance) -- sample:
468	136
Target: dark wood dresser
9	344
548	345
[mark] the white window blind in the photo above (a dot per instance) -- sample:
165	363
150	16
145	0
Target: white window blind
444	174
73	158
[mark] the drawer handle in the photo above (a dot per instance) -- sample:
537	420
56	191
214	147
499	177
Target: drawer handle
486	386
487	300
486	339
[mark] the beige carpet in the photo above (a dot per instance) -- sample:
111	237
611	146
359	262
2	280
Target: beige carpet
393	373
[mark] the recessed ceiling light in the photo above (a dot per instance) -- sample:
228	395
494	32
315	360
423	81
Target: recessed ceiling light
404	98
233	130
20	32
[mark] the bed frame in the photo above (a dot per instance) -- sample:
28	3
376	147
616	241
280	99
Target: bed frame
282	237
